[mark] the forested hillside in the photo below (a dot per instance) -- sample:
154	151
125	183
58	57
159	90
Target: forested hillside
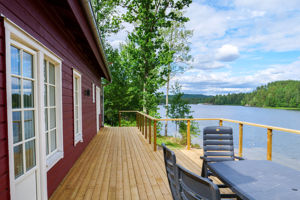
189	98
274	94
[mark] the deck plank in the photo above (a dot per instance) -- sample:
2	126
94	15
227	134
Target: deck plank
120	164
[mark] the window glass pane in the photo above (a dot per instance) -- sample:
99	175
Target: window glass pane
52	118
51	73
76	84
30	154
76	98
16	92
28	93
29	124
53	140
15	60
18	160
17	127
27	65
52	95
76	113
45	71
77	126
47	143
46	119
45	95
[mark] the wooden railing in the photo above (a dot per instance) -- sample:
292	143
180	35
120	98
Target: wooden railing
144	122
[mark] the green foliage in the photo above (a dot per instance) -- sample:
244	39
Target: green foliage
284	94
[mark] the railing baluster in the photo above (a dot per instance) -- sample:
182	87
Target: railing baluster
154	137
119	119
188	135
269	148
146	128
143	124
150	123
241	140
221	123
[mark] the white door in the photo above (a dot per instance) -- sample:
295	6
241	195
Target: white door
98	108
23	122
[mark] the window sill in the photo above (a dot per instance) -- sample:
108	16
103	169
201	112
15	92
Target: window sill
78	138
53	159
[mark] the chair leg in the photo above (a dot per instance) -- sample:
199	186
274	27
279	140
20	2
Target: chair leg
204	170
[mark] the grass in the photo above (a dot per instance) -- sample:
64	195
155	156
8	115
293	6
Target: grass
173	142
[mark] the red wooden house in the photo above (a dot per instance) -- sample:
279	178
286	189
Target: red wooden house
51	65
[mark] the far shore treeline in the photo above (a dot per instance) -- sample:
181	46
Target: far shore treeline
285	94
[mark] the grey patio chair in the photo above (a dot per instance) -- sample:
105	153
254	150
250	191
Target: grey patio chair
218	147
194	187
170	163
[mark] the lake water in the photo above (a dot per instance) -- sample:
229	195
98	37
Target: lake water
286	146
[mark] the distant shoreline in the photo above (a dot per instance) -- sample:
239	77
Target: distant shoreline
280	108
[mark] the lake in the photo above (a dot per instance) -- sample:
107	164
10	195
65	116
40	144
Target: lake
286	146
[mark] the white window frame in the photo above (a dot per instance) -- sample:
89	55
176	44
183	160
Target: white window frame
77	136
58	154
15	34
93	90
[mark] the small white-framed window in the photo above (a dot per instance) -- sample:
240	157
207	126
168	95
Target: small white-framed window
52	111
77	107
93	90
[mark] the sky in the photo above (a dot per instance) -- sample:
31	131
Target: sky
238	45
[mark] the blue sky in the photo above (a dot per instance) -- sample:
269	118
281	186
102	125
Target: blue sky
240	44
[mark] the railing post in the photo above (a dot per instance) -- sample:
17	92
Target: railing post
136	119
221	123
269	149
241	140
140	122
146	128
119	119
188	135
150	122
154	137
143	124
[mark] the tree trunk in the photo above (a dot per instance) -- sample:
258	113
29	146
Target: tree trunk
167	101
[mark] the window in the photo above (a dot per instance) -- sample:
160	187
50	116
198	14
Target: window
93	89
50	107
77	107
23	93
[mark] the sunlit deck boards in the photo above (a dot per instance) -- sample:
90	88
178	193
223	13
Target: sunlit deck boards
120	164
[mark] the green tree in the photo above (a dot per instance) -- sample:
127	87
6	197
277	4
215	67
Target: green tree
180	109
147	45
177	38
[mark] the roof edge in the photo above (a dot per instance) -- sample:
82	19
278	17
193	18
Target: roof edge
91	19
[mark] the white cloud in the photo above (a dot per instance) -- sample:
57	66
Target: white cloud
205	82
227	53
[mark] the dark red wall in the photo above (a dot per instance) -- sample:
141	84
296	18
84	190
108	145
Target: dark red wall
35	18
4	173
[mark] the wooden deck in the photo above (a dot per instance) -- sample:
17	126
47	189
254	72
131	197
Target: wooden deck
120	164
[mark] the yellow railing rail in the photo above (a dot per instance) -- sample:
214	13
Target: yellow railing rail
144	121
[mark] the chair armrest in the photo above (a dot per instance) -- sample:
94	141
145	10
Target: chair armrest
203	158
239	158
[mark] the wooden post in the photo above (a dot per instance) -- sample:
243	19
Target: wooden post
154	137
221	123
188	135
269	148
140	122
136	119
146	128
150	122
143	123
119	119
241	140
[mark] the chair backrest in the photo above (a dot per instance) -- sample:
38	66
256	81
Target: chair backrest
194	187
170	163
218	144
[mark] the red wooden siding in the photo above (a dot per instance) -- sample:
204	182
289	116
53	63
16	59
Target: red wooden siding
4	173
42	21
